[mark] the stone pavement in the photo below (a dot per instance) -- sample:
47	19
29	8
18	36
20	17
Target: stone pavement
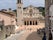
15	36
27	33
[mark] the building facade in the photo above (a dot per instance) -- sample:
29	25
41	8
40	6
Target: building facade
28	15
7	23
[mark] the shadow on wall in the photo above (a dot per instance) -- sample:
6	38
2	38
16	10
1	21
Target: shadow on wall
33	36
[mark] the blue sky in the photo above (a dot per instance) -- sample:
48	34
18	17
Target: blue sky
5	4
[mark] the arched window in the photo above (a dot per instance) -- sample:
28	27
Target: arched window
31	11
19	1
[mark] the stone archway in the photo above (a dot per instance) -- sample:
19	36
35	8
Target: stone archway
24	22
30	22
36	23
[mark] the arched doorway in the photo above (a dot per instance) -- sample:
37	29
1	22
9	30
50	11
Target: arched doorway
33	22
36	23
24	22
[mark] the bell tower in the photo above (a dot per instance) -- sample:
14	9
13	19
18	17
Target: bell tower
19	12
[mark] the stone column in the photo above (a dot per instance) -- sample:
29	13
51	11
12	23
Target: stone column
32	22
29	22
26	22
38	22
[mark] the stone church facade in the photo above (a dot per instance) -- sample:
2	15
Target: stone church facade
28	15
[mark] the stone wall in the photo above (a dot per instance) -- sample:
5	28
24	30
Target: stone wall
2	33
10	29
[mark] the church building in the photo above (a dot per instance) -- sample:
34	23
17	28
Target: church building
28	15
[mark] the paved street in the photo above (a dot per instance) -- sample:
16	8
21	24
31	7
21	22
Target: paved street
28	33
15	36
24	35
